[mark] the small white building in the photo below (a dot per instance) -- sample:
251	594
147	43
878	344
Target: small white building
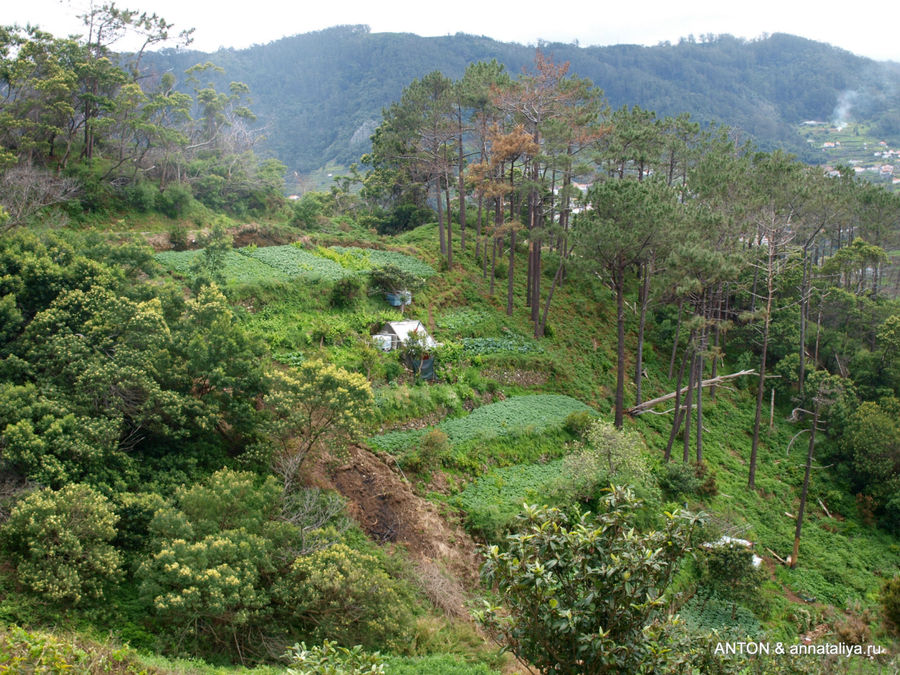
395	333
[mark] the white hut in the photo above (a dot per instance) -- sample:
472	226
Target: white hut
395	333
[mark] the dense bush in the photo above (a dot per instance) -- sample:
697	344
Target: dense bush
332	659
678	479
209	574
60	543
727	570
405	217
343	594
607	455
890	601
174	200
346	292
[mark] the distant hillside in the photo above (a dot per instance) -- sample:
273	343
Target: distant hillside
320	95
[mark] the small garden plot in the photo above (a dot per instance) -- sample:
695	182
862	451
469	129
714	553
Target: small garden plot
492	501
239	269
377	258
294	262
521	414
515	344
464	321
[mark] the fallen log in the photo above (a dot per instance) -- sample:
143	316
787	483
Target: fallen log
777	557
646	405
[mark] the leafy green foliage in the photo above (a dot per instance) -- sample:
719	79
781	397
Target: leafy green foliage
25	651
872	441
208	572
536	412
60	543
253	265
890	601
316	401
346	292
705	613
296	262
332	659
727	569
582	591
236	268
344	594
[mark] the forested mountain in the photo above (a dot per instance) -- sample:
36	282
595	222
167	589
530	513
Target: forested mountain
319	95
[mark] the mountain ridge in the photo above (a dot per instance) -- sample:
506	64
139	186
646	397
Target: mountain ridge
317	94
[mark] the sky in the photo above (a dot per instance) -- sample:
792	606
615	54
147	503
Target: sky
872	30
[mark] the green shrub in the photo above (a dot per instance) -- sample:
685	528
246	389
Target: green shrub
332	659
215	552
174	200
578	422
707	479
346	292
142	195
340	593
592	587
678	479
308	210
178	237
727	570
433	446
23	651
60	543
405	217
890	601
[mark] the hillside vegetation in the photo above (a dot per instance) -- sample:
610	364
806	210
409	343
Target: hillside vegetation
663	418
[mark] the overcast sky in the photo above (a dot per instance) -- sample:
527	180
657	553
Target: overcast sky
871	29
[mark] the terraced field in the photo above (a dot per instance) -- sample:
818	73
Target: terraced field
250	265
535	413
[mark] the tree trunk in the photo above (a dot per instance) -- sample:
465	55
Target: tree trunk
511	273
440	210
639	359
494	261
449	227
804	305
686	453
676	422
536	290
770	278
646	405
539	327
805	491
715	356
462	186
478	226
619	280
700	406
675	341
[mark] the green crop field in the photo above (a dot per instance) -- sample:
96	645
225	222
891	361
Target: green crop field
251	265
520	414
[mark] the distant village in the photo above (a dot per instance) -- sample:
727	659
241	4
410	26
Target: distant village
875	160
